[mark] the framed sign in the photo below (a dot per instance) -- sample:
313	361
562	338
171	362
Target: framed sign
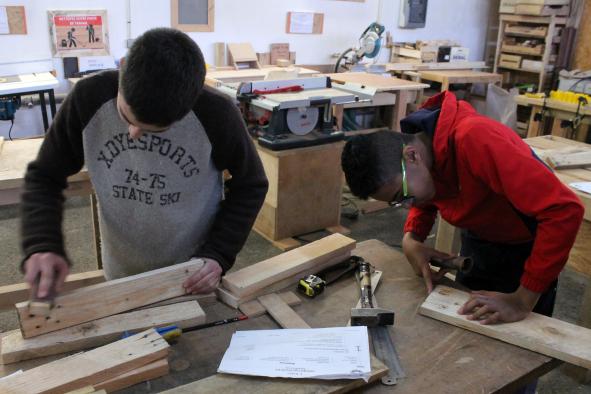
78	33
192	15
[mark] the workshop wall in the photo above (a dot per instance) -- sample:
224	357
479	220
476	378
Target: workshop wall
260	22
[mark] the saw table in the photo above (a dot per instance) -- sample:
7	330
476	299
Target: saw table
436	357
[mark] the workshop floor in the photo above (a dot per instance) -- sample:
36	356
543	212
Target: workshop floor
385	225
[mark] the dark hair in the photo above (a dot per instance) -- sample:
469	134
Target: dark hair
370	161
162	76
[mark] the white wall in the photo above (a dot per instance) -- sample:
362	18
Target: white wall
260	22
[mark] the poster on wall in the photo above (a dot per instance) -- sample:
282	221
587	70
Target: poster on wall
78	33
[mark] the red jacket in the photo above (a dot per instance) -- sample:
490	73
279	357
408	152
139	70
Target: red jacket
483	173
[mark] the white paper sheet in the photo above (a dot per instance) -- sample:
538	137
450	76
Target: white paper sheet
4	27
301	22
320	353
582	186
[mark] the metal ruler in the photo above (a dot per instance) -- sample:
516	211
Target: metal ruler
385	351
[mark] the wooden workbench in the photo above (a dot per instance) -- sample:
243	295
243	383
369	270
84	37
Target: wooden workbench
558	110
437	357
390	91
448	77
14	158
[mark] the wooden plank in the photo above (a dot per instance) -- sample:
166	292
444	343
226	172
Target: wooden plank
381	83
542	334
109	298
13	294
255	277
573	160
90	367
237	384
235	301
279	51
219	49
99	332
254	308
202	299
147	372
281	312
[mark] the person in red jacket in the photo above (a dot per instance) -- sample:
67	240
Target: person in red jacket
518	220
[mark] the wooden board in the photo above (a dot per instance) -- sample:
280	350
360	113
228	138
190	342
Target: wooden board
379	82
281	312
279	51
147	372
236	384
12	294
202	299
234	301
90	367
109	298
254	308
98	332
17	21
542	334
574	160
582	58
252	278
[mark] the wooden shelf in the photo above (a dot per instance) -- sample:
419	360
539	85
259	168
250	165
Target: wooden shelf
517	52
521	69
527	35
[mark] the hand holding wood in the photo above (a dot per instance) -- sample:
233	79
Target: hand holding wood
490	307
206	279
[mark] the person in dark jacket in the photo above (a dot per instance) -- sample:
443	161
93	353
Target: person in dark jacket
155	142
518	220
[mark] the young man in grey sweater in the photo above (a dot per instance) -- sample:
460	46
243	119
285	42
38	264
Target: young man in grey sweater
155	142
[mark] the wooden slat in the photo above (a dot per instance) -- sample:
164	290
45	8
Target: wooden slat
147	372
254	308
109	298
252	278
281	312
13	294
98	332
202	299
236	384
89	368
542	334
574	160
234	301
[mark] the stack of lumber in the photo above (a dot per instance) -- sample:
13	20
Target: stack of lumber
92	316
110	367
284	270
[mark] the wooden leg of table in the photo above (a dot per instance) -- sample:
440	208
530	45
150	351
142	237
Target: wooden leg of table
534	126
445	85
338	111
399	109
448	238
557	130
96	230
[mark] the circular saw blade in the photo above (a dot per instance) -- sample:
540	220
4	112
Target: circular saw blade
301	121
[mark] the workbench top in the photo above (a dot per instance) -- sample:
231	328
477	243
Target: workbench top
381	83
436	357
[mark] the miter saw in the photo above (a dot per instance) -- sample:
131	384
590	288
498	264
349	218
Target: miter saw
370	44
293	113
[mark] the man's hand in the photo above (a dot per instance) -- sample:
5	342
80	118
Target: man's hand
51	268
489	307
206	279
418	255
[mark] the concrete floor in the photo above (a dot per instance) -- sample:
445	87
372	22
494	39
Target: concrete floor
385	225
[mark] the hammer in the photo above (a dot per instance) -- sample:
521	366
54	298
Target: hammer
460	263
368	315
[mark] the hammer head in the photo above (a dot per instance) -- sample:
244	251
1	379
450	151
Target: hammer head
371	317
